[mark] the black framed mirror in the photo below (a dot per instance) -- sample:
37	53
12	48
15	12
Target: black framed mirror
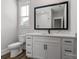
51	17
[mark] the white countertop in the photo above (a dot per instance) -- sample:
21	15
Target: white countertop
54	35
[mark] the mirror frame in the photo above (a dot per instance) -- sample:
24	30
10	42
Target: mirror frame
66	2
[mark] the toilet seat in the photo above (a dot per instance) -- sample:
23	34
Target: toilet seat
15	45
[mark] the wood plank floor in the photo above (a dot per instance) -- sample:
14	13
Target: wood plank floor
21	56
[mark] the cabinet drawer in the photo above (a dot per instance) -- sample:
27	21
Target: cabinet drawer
40	39
68	49
68	57
28	55
29	41
28	44
28	50
29	47
55	39
68	41
28	37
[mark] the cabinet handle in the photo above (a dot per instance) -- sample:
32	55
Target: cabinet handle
28	38
68	41
45	46
68	50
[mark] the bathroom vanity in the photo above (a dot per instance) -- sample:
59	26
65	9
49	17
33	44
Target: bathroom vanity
48	46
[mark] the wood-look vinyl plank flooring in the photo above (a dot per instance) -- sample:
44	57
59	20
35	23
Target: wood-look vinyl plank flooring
21	56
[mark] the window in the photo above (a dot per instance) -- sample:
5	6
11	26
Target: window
24	15
25	10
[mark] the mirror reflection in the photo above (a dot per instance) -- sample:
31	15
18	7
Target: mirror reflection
54	16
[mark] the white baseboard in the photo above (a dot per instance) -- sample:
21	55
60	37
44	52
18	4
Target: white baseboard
4	51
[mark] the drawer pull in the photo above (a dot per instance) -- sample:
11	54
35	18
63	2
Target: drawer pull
45	46
68	50
28	38
68	41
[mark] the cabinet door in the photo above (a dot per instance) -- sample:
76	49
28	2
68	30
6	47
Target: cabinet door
38	50
53	51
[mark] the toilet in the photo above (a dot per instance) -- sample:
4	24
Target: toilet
16	48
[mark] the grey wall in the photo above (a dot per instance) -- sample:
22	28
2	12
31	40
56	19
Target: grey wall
72	15
8	23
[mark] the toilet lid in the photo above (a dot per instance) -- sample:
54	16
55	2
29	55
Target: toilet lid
13	45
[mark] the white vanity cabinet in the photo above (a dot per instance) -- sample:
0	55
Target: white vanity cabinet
50	47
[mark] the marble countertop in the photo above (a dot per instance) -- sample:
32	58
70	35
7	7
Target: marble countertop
54	35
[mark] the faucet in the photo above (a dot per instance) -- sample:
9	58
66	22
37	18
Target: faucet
49	31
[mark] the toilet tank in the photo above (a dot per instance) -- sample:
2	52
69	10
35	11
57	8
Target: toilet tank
21	38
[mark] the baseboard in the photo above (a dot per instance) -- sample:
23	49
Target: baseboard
4	51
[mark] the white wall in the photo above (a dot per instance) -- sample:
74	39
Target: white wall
72	15
8	23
